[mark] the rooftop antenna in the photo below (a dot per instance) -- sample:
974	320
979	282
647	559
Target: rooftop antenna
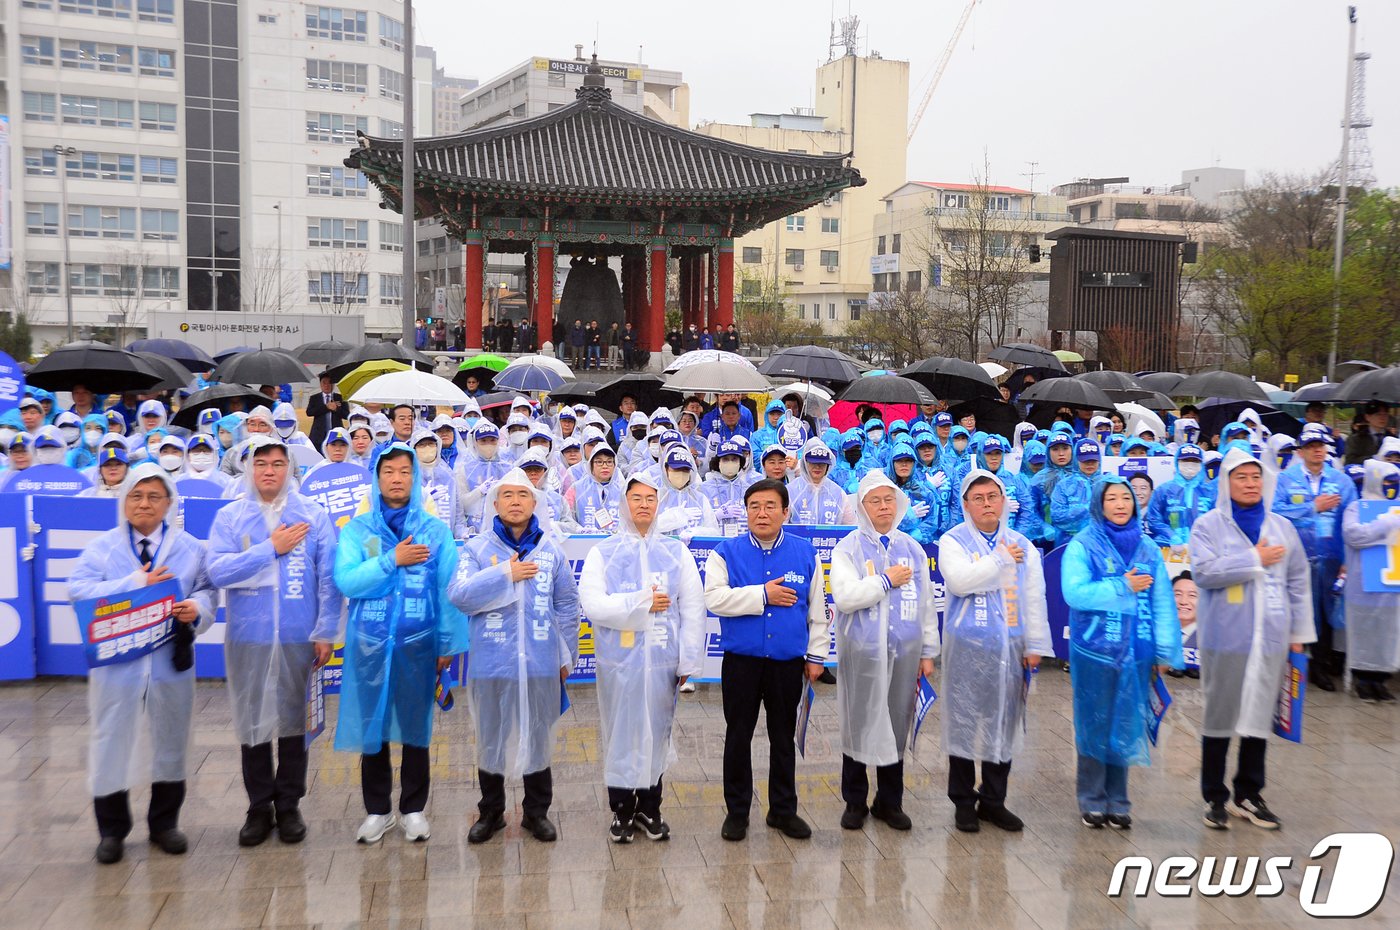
1354	146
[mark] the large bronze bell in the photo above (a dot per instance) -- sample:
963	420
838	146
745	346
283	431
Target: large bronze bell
591	292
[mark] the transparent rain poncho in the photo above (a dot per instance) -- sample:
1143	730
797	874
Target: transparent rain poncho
1373	620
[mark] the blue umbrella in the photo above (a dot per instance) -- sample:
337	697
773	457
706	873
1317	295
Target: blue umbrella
529	376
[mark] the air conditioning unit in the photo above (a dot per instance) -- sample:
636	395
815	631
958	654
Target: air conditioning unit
830	269
797	267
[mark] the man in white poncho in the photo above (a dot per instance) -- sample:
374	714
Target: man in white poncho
886	635
994	633
642	593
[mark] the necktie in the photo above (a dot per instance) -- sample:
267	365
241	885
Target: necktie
146	552
885	541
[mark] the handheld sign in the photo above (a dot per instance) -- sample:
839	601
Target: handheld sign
127	626
1288	719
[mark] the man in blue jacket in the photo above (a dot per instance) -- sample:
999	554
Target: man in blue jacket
1313	495
768	589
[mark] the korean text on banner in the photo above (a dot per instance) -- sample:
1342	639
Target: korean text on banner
1380	565
16	592
125	627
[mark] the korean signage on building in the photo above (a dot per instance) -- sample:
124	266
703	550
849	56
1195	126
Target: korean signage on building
215	331
581	67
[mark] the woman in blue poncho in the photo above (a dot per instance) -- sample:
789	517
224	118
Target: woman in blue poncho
922	519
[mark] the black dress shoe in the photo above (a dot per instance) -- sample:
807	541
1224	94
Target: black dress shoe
853	817
109	850
893	817
485	828
965	818
998	816
291	828
735	827
790	825
171	841
1320	680
256	828
826	677
540	828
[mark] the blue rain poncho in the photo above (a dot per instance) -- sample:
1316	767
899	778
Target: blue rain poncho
1177	504
1321	533
229	432
815	503
641	656
845	474
276	607
1116	636
881	632
523	635
439	484
1069	503
595	504
995	616
875	454
1043	482
923	526
1026	519
767	434
145	697
1373	620
399	622
956	464
84	454
1247	614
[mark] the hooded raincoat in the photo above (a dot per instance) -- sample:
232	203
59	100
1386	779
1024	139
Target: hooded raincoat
683	511
1373	620
596	504
815	503
1180	502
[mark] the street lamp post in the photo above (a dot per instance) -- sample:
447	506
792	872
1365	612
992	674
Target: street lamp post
281	284
63	151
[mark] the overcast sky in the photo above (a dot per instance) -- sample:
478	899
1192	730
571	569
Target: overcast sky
1142	88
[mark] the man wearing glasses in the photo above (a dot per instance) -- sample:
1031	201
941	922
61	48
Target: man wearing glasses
768	589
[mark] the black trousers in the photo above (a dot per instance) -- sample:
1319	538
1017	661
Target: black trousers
746	683
963	789
889	784
539	793
283	788
1249	776
114	810
377	780
1378	678
625	802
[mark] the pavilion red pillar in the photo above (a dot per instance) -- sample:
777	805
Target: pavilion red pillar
656	313
708	301
724	308
684	274
697	290
474	281
544	290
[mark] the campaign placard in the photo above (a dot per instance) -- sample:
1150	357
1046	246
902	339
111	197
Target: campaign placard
125	627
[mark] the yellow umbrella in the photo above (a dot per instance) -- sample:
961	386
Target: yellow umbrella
368	371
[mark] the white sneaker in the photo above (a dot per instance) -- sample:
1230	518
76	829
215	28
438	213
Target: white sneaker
688	688
415	827
374	828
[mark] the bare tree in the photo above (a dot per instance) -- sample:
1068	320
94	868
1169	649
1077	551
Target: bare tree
764	314
340	272
265	286
898	328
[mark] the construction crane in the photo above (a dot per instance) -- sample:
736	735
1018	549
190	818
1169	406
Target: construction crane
942	66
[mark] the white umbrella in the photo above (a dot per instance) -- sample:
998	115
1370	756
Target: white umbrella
410	387
1136	414
701	356
545	361
815	398
1268	388
716	378
993	369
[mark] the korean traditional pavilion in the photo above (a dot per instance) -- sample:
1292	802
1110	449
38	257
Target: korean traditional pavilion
596	178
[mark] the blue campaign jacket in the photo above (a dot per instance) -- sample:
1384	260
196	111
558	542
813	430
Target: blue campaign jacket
1177	504
1321	533
780	632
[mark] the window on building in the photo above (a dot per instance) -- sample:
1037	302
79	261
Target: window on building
390	129
793	256
327	232
831	258
832	199
158	11
40	163
752	255
914	281
343	77
98	111
390	236
831	224
391	289
855	307
109	9
955	240
39	108
36	50
82	55
156	62
629	87
802	311
999	203
954	202
830	311
555	80
335	181
158	170
894	243
158	116
160	224
877	282
100	166
267	19
336	287
160	281
390	33
390	84
37	4
1129	211
41	219
1115	279
1171	212
336	24
101	222
880	246
796	223
43	277
335	128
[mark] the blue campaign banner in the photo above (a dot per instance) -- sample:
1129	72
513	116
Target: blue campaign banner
126	626
16	592
1288	717
199	487
199	513
1380	565
924	698
66	526
1056	610
1158	700
340	488
48	479
11	381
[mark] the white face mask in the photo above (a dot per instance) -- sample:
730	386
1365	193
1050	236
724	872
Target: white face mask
225	439
679	477
427	455
729	467
1188	469
518	436
201	461
959	445
486	450
654	447
286	431
172	461
91	438
70	434
875	435
49	456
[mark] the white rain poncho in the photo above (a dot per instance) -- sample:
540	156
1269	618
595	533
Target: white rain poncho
641	655
815	503
596	504
881	632
561	517
276	607
439	484
522	634
995	616
683	511
1373	620
1247	615
145	697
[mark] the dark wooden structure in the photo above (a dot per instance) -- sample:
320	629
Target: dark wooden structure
595	178
1109	279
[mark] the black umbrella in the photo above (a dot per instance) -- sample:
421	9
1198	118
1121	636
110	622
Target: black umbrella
484	374
993	416
1381	384
1156	400
576	391
173	374
322	352
1016	381
1070	392
222	397
374	351
190	356
1217	411
222	354
1162	381
100	368
953	378
1023	353
887	389
1225	384
646	388
1120	386
810	363
262	366
1360	364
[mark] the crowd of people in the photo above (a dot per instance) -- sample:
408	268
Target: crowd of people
458	549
